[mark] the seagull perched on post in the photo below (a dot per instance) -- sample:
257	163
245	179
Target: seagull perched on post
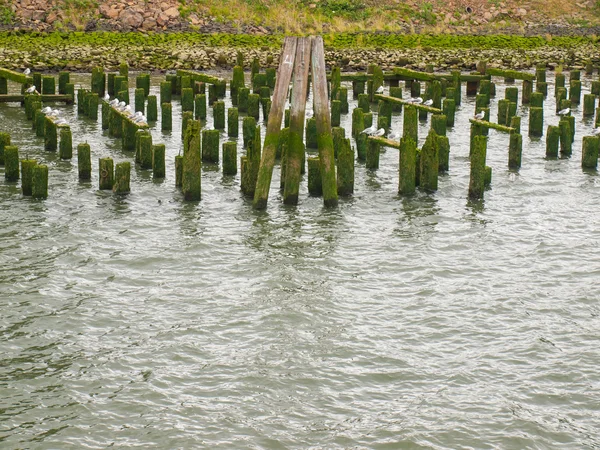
379	132
379	90
47	110
27	71
415	100
480	115
31	90
370	131
428	102
564	112
106	97
596	131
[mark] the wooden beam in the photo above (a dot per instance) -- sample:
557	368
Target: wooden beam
323	118
385	142
197	76
399	101
43	98
510	74
265	171
17	77
495	126
295	148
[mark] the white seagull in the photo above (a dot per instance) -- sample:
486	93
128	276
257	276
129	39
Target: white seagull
27	71
393	136
31	90
379	132
379	90
428	102
564	112
596	131
370	131
106	97
47	110
415	100
480	115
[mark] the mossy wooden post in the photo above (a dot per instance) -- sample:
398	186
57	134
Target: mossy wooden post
27	166
50	136
589	104
472	87
542	87
552	141
438	123
254	106
295	57
210	146
368	119
342	96
559	82
373	152
512	94
122	178
478	171
92	106
145	151
39	181
81	103
311	133
575	92
377	81
361	146
185	118
118	81
444	153
430	162
165	92
407	166
166	117
232	122
396	92
364	103
358	122
315	186
200	107
172	80
152	109
384	118
11	163
229	158
338	135
336	81
536	121
595	88
48	85
566	143
63	80
324	139
158	161
243	94
589	67
4	86
415	89
482	101
503	111
358	87
561	96
537	99
236	83
66	143
124	69
105	122
515	150
250	165
106	173
411	123
457	86
336	110
283	139
98	81
219	115
178	170
186	83
248	130
345	169
139	100
4	141
142	81
589	152
84	161
575	75
527	91
191	184
449	109
187	99
254	68
110	84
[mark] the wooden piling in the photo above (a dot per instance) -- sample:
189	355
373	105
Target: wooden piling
515	150
84	161
315	186
430	162
411	124
152	109
552	141
11	163
219	115
229	158
92	106
237	83
106	173
311	133
336	110
415	89
39	181
178	171
185	118
158	161
338	134
537	99
477	173
358	123
166	117
142	81
66	143
595	88
145	151
438	123
243	96
48	85
165	92
589	152
345	169
232	122
50	136
254	106
122	178
449	109
384	117
139	100
191	184
575	92
27	166
4	141
210	146
566	143
536	121
561	96
589	104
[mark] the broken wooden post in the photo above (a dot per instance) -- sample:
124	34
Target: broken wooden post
122	178
477	175
106	172
191	182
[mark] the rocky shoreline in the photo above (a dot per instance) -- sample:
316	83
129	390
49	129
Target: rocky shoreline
160	58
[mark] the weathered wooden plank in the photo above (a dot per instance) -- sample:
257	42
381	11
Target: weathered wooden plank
399	101
295	148
323	117
265	171
197	76
495	126
385	142
514	74
44	98
17	77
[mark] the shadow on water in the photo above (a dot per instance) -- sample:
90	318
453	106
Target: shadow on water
420	215
190	219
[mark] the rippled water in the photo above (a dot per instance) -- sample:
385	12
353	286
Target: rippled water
425	322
